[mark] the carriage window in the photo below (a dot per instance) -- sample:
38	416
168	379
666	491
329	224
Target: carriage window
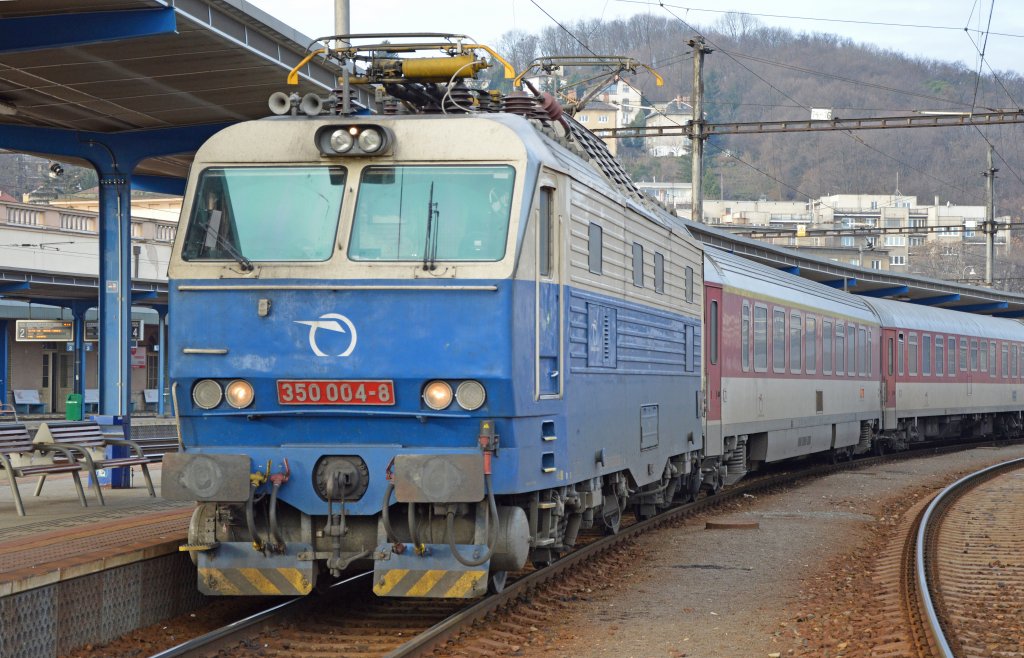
926	354
638	265
1013	361
796	332
862	350
826	347
890	359
778	340
659	273
939	354
912	354
851	350
265	214
1002	364
840	367
983	355
963	354
870	352
428	213
951	356
760	338
992	358
544	231
974	355
745	336
595	243
810	345
900	352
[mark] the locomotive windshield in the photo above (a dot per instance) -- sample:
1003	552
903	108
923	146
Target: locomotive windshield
428	213
265	214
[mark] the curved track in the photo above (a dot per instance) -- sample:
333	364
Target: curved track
349	620
968	565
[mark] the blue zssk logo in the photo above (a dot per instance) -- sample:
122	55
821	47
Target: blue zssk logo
336	324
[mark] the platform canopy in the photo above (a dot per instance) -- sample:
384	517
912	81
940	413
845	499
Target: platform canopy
111	66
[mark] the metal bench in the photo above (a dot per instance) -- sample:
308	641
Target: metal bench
29	398
157	446
8	413
19	457
86	440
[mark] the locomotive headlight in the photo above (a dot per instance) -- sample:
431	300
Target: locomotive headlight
470	395
239	394
437	395
207	394
370	140
342	140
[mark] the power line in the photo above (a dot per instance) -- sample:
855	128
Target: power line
823	20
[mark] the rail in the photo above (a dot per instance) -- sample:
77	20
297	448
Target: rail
927	533
451	625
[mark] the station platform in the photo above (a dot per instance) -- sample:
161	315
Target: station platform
59	539
71	576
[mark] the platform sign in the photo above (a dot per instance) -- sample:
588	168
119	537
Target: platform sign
92	330
42	331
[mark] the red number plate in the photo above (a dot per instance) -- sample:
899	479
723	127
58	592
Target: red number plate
336	391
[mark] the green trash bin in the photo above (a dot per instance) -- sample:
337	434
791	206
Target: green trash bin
73	407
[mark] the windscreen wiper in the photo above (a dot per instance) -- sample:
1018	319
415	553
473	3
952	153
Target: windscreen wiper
433	217
213	231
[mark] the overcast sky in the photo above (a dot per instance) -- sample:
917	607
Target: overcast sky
932	29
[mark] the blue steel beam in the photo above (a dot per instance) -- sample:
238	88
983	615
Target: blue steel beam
885	292
12	287
108	152
792	269
161	184
975	308
938	299
30	33
838	283
143	296
4	359
1009	314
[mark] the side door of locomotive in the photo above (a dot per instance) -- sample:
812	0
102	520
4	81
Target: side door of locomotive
548	289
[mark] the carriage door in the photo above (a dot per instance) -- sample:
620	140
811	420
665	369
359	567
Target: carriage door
889	359
713	369
548	296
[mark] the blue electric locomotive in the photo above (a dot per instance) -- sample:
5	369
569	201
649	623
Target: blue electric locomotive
441	341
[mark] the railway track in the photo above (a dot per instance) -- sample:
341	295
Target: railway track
967	567
349	620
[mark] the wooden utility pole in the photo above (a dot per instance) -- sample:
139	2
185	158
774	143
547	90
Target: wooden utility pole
989	228
697	130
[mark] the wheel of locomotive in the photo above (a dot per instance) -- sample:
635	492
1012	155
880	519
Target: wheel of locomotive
693	485
716	485
496	581
878	448
612	520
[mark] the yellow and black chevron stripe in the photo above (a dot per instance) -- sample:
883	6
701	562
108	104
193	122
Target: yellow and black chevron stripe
433	583
250	581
